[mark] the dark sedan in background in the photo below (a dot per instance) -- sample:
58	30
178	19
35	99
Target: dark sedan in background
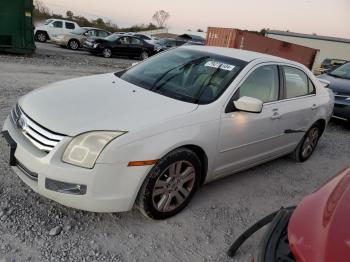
340	84
121	45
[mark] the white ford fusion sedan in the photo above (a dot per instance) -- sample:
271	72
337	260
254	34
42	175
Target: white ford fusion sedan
149	136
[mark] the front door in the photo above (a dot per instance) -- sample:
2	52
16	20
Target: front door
247	139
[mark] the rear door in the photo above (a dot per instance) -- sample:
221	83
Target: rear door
136	46
297	107
69	26
247	139
122	46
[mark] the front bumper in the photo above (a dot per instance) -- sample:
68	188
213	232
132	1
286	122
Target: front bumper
110	187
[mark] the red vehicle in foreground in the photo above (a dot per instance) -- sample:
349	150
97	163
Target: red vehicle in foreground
317	230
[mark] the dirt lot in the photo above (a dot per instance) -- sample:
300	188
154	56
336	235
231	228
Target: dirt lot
202	232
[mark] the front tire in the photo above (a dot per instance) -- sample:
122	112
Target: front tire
170	185
41	36
308	144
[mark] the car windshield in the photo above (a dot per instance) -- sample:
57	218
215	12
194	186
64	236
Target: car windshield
79	31
112	37
342	71
48	21
187	75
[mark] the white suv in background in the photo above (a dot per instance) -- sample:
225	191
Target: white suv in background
52	28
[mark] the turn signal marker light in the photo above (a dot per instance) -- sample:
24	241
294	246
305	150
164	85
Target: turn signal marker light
142	163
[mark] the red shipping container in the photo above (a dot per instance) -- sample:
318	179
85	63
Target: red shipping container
235	38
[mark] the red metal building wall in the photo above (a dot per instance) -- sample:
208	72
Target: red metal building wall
234	38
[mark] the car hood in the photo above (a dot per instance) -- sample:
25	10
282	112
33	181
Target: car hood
102	102
319	230
339	86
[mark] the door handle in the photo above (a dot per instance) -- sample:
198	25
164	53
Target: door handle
275	116
314	107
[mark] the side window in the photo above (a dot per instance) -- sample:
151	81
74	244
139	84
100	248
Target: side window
312	89
262	84
297	83
70	25
92	33
125	40
102	33
136	41
58	24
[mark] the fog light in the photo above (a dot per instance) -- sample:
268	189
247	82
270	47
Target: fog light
66	188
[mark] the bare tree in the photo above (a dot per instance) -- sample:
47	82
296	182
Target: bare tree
69	14
41	7
161	17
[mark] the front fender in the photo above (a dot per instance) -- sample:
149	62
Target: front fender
204	135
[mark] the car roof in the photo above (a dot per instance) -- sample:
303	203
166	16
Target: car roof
240	54
90	28
57	19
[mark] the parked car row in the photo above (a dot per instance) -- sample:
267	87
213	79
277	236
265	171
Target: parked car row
101	42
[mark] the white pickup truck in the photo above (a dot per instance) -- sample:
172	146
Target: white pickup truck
52	28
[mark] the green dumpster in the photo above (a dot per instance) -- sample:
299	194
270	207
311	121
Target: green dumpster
16	26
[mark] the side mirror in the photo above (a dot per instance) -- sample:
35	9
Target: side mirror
249	104
325	83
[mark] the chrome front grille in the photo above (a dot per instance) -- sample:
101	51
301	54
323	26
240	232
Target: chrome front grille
39	136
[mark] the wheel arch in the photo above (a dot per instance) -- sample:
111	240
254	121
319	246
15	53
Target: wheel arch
43	31
323	124
202	155
74	39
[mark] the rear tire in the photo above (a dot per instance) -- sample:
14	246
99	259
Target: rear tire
41	36
107	52
307	145
170	185
144	55
73	45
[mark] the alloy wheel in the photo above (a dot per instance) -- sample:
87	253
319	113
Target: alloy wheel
310	142
41	37
173	186
144	55
74	45
107	53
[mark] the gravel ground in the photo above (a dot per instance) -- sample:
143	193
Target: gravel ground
33	228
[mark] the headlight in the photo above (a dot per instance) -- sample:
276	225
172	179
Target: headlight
84	149
96	45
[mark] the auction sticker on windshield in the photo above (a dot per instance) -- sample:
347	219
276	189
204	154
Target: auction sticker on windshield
223	66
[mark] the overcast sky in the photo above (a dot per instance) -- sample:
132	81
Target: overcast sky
324	17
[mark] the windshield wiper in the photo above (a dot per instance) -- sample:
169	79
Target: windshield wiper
191	62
